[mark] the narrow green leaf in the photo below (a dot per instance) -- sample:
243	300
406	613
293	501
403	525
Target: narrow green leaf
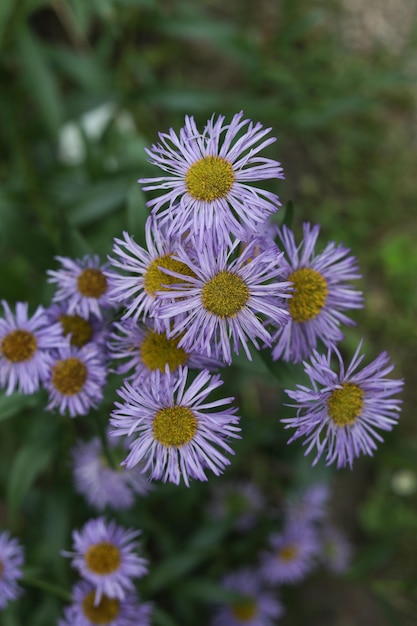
15	404
137	212
40	80
99	200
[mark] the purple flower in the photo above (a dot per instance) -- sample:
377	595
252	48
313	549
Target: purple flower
11	561
104	555
109	611
76	380
208	175
226	301
142	276
242	501
25	348
144	349
321	293
291	554
178	433
309	506
82	285
335	553
102	485
340	414
80	330
255	606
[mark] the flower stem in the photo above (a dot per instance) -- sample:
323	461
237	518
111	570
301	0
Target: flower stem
48	587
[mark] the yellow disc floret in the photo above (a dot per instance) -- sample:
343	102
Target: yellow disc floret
174	426
157	351
18	346
210	178
245	610
103	558
225	294
79	328
345	405
69	376
105	612
309	295
155	278
92	283
288	553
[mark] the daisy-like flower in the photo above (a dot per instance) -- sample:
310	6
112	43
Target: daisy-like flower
144	349
227	301
82	285
335	553
210	174
178	434
308	506
241	501
102	485
79	330
76	380
25	348
141	274
105	555
321	294
85	611
254	605
11	562
341	413
291	554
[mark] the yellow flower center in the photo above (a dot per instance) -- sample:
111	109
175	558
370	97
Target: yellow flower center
79	328
19	345
102	613
309	295
154	277
245	610
69	376
225	294
288	553
103	558
174	426
210	178
157	350
92	283
345	405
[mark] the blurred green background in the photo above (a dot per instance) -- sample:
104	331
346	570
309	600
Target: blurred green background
86	85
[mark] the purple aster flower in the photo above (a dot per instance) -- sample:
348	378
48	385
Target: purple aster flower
82	285
308	506
321	293
255	606
11	561
85	611
336	551
178	433
76	380
102	485
208	175
225	301
25	348
142	276
340	414
291	554
144	348
104	555
79	330
242	501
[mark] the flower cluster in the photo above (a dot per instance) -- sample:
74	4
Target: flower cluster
105	556
306	539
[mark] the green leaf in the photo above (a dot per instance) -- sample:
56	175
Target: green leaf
99	200
40	80
15	404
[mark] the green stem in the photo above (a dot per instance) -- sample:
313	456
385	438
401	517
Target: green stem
48	587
